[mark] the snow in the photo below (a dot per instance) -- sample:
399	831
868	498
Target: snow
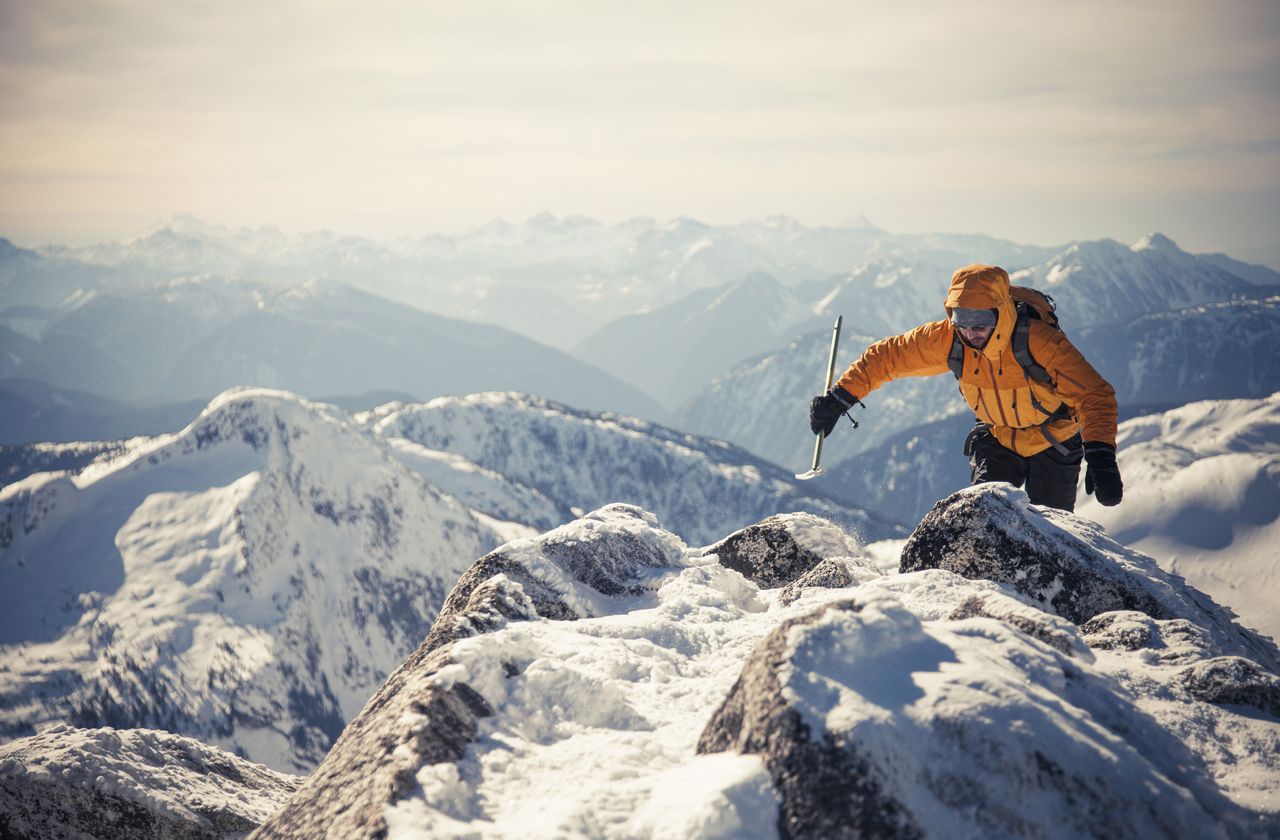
206	579
1202	496
601	724
596	721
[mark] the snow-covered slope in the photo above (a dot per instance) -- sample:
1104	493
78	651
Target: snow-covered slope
247	581
567	461
1202	496
128	784
605	680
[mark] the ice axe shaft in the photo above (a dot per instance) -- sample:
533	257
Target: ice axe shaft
816	470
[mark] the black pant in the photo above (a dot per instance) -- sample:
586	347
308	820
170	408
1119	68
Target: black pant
1050	476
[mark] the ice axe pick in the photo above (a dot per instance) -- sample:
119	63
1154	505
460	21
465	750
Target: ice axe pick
817	470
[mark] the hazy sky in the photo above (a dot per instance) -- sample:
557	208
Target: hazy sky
1040	122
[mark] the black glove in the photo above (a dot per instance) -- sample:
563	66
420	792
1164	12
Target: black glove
1102	474
825	410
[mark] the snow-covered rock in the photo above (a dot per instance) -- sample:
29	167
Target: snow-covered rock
130	784
873	723
659	693
428	713
1066	565
581	460
248	580
778	551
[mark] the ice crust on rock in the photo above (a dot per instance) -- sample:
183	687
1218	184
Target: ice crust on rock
131	783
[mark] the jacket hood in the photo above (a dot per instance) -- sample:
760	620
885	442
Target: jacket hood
985	287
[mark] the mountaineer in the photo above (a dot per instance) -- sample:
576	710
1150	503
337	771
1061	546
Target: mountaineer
1040	406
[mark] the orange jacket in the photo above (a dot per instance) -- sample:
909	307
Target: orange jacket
993	383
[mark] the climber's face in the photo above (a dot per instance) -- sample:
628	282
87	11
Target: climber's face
974	326
975	337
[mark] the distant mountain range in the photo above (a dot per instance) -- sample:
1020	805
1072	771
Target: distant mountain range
1094	283
662	307
189	338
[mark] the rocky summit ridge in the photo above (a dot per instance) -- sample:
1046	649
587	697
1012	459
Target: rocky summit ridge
1007	671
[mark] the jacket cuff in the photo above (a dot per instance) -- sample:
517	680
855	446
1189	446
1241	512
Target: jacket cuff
843	397
1098	446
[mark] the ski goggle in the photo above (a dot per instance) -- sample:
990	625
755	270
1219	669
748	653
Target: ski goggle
973	318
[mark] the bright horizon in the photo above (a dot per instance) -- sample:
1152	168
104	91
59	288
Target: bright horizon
1041	125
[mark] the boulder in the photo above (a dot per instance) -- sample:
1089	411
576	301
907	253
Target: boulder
1233	680
782	548
873	723
419	718
131	784
833	573
1067	565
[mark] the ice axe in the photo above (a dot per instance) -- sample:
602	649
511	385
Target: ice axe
817	470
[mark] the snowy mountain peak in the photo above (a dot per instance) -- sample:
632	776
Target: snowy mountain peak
1104	281
247	580
1155	242
782	222
180	225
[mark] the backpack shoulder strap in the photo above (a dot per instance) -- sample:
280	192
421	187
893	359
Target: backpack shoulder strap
1021	345
955	358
